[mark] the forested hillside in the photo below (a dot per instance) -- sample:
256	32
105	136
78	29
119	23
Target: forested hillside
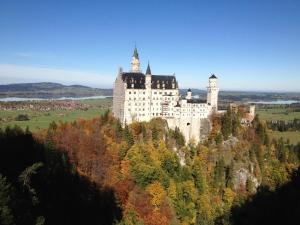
49	90
96	172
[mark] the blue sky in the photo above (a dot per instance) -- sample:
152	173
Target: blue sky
249	45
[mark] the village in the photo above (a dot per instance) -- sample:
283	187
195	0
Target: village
44	106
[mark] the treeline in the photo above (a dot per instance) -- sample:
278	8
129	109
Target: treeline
98	172
281	125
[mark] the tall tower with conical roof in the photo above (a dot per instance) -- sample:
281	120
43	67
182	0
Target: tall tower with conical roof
213	92
135	62
148	77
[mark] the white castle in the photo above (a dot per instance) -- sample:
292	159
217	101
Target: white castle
141	97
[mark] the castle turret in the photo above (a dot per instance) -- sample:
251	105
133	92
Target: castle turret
189	94
252	110
135	62
148	77
212	92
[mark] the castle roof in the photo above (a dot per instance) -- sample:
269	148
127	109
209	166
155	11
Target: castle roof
163	82
137	81
196	101
213	77
148	71
135	53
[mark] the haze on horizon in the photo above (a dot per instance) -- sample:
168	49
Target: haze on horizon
249	45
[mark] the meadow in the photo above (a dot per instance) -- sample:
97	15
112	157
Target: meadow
273	113
277	113
41	120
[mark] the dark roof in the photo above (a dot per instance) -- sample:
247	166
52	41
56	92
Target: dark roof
189	90
163	82
196	100
137	79
213	77
148	71
158	81
135	53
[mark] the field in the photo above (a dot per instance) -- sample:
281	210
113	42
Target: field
293	136
278	113
41	120
281	113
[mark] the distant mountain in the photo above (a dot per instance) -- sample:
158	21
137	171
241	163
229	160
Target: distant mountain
50	90
56	90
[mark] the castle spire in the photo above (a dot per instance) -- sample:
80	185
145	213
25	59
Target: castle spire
135	62
148	71
135	53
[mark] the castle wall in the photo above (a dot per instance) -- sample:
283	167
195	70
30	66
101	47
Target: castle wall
119	99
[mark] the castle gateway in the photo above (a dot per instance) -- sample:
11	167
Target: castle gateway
141	97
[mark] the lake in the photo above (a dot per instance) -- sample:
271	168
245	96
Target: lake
13	99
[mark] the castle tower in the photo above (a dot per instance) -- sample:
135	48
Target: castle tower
212	92
148	77
252	110
135	62
189	94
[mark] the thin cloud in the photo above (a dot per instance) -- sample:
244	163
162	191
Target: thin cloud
21	74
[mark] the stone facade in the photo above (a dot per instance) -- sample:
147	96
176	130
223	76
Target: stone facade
141	97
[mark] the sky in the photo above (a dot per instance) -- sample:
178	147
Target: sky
250	45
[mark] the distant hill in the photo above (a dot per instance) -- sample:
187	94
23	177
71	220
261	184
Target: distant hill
50	90
56	90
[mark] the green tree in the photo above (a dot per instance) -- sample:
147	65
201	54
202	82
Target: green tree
6	212
219	173
127	135
226	121
230	175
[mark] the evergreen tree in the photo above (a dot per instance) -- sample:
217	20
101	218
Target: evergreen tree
128	136
6	212
227	124
230	175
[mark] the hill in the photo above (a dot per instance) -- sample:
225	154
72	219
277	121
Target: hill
97	172
50	90
56	90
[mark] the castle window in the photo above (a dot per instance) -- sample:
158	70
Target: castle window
134	92
160	93
155	92
143	92
129	92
